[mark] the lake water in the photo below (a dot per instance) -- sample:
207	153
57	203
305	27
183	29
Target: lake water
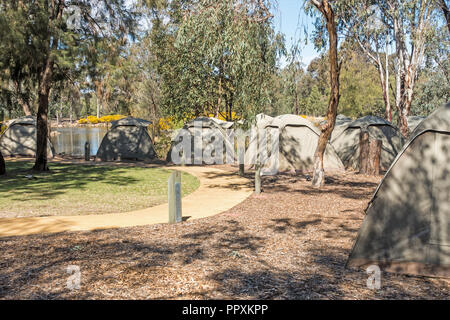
70	141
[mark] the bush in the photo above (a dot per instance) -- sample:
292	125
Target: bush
104	119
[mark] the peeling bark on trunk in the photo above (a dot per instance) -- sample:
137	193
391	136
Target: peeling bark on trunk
408	62
326	130
2	165
370	153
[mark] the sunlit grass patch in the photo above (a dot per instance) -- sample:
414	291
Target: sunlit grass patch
72	189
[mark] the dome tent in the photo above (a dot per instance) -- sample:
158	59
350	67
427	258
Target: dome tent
127	139
298	143
345	140
407	223
298	140
207	129
270	127
19	139
340	120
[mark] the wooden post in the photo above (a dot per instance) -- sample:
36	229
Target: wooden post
370	154
87	151
174	194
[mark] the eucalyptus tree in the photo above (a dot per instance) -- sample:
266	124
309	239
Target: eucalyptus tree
410	25
328	22
57	37
216	56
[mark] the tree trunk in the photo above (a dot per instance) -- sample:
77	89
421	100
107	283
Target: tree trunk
25	107
2	165
319	175
384	85
23	103
387	101
42	117
446	12
373	167
363	151
71	114
369	154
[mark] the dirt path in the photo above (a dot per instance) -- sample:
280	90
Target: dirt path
219	191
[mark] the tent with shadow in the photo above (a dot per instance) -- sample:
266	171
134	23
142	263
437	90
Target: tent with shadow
128	139
345	140
202	140
298	143
19	139
298	140
407	223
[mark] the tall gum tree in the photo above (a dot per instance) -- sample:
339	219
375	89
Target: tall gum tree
328	14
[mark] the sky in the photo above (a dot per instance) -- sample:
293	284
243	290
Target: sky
291	20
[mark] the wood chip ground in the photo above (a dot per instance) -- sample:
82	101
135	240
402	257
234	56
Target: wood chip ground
290	242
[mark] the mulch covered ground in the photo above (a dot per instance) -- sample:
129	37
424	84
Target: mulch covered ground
290	242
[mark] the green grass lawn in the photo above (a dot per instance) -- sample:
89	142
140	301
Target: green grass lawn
72	189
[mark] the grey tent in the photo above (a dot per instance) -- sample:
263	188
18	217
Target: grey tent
298	139
407	224
345	140
298	142
200	134
268	126
340	120
413	122
127	139
19	139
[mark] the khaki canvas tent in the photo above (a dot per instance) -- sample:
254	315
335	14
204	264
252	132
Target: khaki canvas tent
340	120
345	140
298	139
195	142
127	139
407	224
414	121
19	139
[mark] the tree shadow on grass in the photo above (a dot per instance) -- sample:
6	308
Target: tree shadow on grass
61	178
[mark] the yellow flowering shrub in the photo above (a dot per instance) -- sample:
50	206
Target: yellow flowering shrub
2	129
110	118
164	124
95	120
